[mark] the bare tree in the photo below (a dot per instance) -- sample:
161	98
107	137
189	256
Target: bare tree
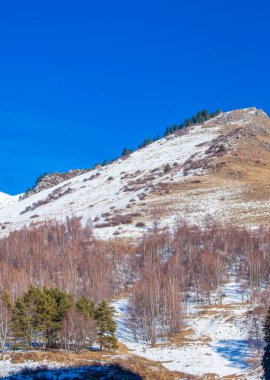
5	318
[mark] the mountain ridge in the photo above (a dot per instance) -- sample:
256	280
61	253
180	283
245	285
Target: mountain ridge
210	173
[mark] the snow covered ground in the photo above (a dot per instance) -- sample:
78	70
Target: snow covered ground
218	342
7	368
6	199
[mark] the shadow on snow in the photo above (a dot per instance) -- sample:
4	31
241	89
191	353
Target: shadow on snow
106	372
235	351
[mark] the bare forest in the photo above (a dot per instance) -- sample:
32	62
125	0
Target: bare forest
159	275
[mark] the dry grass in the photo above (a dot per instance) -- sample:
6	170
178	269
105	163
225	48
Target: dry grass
147	369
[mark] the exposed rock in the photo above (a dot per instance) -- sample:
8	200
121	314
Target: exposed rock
51	179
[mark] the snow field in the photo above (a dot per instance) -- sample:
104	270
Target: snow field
218	343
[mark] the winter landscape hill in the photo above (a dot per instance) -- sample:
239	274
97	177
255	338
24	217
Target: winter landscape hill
219	169
175	235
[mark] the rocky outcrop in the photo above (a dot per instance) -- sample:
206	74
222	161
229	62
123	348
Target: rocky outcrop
52	179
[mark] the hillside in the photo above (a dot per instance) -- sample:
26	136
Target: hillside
48	180
6	199
219	168
192	302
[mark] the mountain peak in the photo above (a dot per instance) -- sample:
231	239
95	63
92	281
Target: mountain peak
239	116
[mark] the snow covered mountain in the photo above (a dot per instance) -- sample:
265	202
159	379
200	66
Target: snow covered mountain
6	199
219	169
48	180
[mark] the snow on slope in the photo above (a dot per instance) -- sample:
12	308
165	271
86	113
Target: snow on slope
90	198
6	199
218	343
137	185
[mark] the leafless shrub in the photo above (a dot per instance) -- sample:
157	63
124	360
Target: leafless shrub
53	196
140	224
93	176
106	214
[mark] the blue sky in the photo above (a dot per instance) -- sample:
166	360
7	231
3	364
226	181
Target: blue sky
79	80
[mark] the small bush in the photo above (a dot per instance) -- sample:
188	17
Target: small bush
221	148
106	214
140	224
167	168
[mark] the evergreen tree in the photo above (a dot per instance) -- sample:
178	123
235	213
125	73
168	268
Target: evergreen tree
266	356
6	299
221	148
199	118
167	168
167	131
37	316
86	307
104	163
40	312
106	326
44	317
21	323
60	303
126	152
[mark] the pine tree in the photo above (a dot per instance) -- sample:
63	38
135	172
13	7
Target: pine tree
40	312
167	131
33	316
106	326
167	168
21	323
126	152
266	356
86	307
60	303
200	117
6	299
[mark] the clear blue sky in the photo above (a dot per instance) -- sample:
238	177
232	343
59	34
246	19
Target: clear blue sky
79	80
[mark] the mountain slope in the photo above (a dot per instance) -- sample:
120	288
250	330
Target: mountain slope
220	168
6	199
48	180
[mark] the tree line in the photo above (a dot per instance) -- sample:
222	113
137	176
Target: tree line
45	318
199	118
